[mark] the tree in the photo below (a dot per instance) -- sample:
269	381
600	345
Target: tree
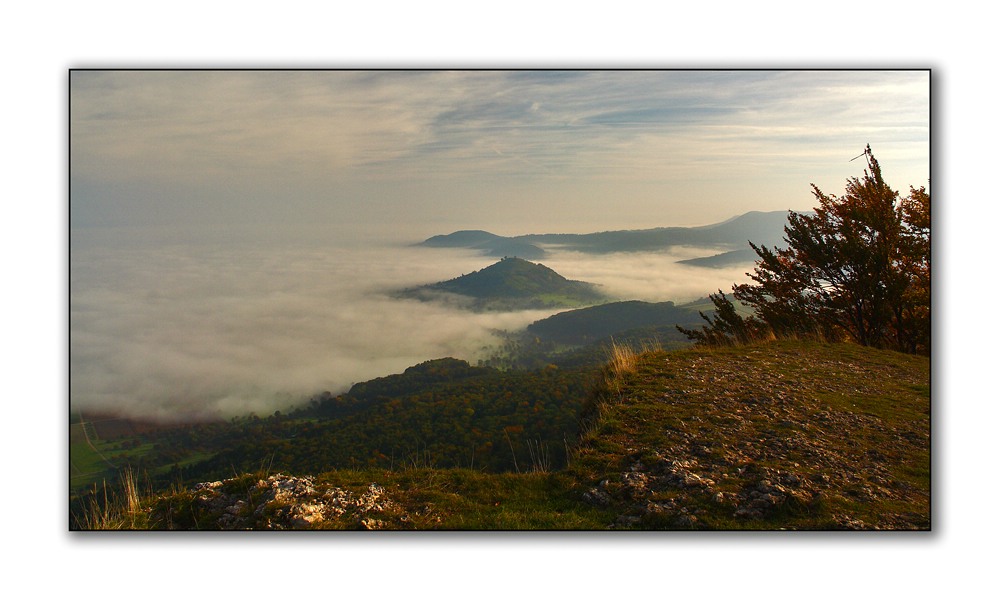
857	267
725	327
912	315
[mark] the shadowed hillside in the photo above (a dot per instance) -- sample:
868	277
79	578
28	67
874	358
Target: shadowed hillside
585	325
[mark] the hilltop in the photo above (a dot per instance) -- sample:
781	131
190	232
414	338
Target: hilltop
510	284
779	435
783	435
489	244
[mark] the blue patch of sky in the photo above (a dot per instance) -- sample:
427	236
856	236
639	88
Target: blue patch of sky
659	116
499	113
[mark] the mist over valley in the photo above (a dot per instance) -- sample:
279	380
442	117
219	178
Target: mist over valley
220	322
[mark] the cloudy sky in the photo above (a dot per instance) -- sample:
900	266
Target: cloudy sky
508	151
233	233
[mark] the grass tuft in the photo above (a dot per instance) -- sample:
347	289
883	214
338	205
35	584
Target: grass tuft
117	509
622	360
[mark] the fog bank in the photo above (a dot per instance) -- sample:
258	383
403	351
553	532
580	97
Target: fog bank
649	276
215	324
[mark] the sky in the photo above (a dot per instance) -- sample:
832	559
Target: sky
523	151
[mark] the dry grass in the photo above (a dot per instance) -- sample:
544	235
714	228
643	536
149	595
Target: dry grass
622	359
115	509
623	362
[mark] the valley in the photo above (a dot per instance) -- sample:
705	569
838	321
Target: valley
525	388
524	407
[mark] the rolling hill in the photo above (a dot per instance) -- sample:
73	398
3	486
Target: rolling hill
489	244
723	259
510	284
584	325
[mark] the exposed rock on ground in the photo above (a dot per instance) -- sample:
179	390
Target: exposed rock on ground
767	439
287	502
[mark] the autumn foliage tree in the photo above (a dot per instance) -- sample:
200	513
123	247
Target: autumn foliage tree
858	267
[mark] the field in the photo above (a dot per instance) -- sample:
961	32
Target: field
99	447
87	466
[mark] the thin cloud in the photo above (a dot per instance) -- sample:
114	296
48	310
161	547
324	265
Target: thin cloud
445	124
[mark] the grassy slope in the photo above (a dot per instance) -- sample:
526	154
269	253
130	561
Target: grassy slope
781	435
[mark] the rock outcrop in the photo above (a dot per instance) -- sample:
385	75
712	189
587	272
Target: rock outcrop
287	502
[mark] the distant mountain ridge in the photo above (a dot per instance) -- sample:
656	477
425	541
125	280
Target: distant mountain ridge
510	284
730	236
488	243
725	259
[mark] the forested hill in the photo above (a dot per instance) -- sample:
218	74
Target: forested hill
584	325
488	243
779	435
511	284
417	378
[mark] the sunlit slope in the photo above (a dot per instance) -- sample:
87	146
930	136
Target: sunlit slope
779	435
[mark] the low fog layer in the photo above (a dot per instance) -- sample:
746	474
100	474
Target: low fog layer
649	276
222	327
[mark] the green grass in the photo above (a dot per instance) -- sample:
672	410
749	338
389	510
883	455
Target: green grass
86	465
463	499
835	434
421	499
96	462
